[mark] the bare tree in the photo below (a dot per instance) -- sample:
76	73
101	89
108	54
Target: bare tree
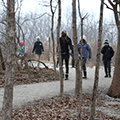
97	63
59	49
74	26
53	12
79	90
114	90
10	61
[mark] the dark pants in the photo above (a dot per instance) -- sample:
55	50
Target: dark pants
107	67
66	65
57	60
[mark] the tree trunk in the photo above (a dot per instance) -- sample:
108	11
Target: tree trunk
59	49
114	90
97	63
53	38
74	26
10	62
80	83
1	59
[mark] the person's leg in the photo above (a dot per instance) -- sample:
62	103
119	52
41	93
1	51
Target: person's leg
38	59
109	67
84	67
105	67
67	68
62	66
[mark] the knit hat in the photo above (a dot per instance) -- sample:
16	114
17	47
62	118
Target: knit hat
106	42
37	37
64	32
22	43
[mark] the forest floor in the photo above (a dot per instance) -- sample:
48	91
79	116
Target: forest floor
38	98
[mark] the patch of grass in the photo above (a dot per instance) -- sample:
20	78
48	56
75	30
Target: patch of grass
43	71
20	71
2	72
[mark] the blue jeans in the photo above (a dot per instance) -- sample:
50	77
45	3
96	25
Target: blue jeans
84	60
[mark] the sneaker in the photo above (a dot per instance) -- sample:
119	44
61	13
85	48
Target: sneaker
73	67
84	77
109	76
106	76
66	77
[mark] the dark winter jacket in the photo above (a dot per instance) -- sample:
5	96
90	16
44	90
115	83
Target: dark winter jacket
38	48
86	49
65	45
107	52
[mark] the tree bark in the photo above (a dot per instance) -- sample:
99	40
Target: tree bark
74	26
114	90
80	83
95	88
53	36
59	49
10	62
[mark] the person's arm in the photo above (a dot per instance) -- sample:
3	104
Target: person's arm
25	51
89	50
112	52
79	46
102	51
42	47
34	48
70	44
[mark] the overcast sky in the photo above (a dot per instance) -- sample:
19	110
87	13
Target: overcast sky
87	6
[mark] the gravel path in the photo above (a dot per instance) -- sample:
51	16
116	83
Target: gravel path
28	93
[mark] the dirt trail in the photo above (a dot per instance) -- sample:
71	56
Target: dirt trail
31	92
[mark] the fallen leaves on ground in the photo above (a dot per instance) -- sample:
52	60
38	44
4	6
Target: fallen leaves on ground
60	108
21	77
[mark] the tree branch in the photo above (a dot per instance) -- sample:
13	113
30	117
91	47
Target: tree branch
4	4
35	18
111	5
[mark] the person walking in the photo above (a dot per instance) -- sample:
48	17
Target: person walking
21	52
66	49
108	53
86	49
38	48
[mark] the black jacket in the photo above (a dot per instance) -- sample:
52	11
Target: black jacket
38	47
107	52
65	46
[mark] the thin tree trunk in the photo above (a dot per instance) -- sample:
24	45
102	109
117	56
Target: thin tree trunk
59	49
74	26
53	38
81	64
97	63
10	62
80	84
